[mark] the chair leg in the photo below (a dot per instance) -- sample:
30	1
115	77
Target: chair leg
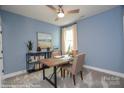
64	73
70	75
61	72
81	75
39	66
74	79
67	73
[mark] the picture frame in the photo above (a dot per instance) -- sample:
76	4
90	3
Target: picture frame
44	41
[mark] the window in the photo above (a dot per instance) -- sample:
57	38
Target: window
69	39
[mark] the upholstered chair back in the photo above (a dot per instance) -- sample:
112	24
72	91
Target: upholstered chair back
78	63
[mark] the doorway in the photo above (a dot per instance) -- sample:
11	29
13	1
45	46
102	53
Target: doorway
1	54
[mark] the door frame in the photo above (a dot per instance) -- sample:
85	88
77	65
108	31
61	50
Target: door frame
1	64
2	53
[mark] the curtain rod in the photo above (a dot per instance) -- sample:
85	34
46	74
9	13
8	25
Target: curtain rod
68	25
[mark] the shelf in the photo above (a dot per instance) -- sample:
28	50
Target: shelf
31	60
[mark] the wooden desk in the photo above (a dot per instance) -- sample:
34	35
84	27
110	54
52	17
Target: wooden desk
53	62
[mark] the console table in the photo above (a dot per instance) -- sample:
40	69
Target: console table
30	64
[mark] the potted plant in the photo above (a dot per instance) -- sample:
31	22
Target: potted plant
29	46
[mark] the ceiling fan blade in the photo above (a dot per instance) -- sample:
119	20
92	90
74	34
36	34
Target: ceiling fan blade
60	6
52	7
74	11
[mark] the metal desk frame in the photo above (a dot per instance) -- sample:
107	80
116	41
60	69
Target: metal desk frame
55	67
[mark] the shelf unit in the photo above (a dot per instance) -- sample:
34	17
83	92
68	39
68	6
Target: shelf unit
32	63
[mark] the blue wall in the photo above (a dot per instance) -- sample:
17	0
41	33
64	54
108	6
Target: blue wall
17	30
101	38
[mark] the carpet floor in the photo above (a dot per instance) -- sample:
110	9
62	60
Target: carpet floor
91	79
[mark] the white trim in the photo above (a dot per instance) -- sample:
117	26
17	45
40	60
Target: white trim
105	71
5	76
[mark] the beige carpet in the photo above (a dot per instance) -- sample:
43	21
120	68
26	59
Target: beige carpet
92	79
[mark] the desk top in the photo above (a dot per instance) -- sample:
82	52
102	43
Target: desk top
55	61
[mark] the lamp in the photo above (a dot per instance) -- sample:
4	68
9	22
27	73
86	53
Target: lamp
60	15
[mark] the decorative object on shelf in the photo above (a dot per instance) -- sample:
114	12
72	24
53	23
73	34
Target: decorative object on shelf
29	45
48	48
38	49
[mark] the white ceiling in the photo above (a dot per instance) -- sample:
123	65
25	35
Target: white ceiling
43	13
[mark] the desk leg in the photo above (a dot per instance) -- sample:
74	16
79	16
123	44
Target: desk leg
43	72
55	77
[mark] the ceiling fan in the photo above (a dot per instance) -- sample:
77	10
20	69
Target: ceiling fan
60	12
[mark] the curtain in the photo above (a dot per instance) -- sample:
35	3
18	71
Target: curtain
72	28
74	31
63	40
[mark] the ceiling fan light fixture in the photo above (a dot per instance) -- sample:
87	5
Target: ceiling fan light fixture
61	15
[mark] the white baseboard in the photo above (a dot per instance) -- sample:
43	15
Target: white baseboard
5	76
105	71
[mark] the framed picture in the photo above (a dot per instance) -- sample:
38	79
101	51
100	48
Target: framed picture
44	41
